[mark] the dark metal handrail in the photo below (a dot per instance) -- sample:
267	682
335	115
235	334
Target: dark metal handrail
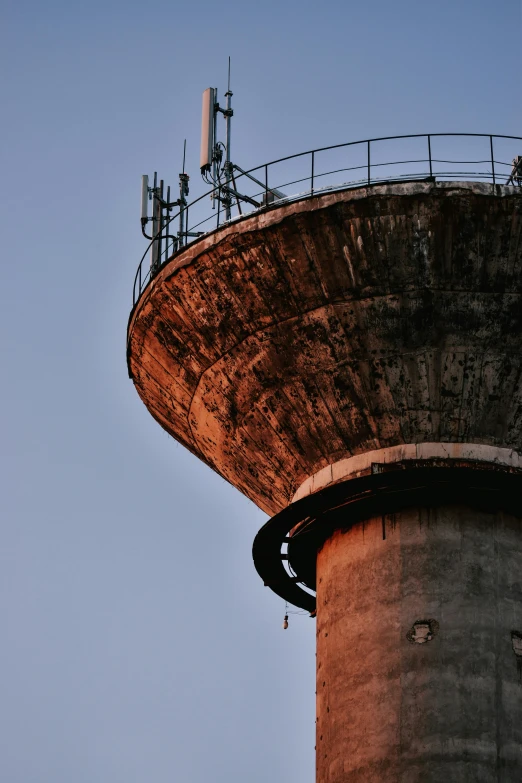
267	198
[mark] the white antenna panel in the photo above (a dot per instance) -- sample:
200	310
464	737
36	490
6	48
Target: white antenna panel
144	196
207	129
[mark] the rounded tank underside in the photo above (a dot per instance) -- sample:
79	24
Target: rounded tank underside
340	324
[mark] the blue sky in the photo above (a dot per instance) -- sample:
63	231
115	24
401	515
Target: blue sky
138	643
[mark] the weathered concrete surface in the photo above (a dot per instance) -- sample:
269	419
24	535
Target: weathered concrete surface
348	322
449	710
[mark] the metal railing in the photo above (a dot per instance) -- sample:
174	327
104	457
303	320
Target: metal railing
425	157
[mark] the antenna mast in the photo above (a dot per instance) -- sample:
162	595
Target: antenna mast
219	173
228	168
183	192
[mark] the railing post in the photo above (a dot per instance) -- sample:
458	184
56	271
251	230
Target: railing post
492	158
429	155
369	164
312	183
266	185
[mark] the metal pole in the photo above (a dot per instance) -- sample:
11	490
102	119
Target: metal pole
181	201
214	176
238	202
181	229
266	185
161	223
429	154
167	224
228	118
313	161
492	158
154	248
369	178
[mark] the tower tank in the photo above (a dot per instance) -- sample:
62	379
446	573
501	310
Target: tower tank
351	361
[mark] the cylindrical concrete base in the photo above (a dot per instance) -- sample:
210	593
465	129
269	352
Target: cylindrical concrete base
419	649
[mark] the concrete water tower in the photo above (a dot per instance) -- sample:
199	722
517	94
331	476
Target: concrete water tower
351	360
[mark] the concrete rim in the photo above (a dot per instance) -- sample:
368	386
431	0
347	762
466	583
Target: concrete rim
305	524
361	464
271	215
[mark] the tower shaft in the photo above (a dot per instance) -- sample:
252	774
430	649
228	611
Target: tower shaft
417	675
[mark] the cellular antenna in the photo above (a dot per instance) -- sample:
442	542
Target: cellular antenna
213	170
208	124
144	199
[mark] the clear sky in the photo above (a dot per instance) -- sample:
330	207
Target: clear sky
138	643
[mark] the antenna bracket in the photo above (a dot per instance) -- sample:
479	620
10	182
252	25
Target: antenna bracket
224	112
